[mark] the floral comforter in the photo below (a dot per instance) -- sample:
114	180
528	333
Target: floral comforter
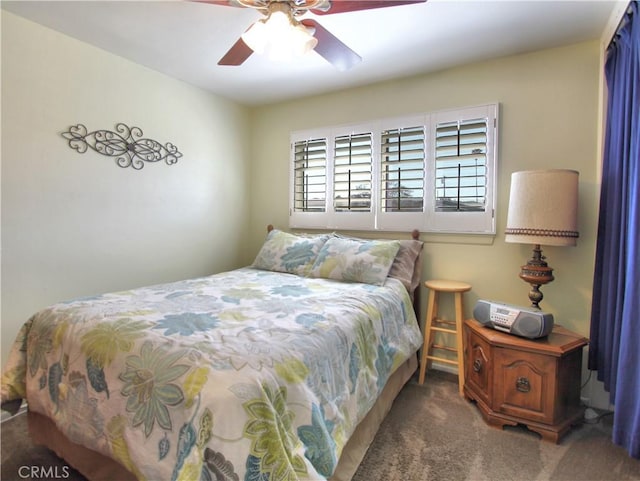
248	374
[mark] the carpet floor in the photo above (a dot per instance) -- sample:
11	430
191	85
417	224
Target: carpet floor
431	433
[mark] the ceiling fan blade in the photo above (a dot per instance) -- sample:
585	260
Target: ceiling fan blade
331	48
343	6
237	54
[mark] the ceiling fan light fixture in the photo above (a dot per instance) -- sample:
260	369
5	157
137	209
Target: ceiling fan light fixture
256	37
293	37
279	37
302	41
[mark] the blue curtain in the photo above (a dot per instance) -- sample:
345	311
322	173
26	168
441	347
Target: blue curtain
614	349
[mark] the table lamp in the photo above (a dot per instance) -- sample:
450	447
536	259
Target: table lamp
543	210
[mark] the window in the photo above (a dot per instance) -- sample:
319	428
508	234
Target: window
434	172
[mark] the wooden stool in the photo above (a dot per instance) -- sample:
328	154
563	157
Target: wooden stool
434	324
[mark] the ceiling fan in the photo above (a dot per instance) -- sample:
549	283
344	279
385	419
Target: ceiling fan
281	34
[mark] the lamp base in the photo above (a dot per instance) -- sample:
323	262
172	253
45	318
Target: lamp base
537	273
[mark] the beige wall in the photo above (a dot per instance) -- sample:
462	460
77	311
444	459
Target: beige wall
76	224
548	119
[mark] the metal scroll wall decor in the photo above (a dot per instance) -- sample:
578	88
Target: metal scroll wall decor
125	144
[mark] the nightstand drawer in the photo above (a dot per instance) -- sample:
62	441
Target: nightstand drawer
525	385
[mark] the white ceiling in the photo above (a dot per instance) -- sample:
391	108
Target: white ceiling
186	39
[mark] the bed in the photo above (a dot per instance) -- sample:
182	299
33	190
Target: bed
282	370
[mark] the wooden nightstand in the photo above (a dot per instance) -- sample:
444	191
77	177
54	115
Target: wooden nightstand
514	380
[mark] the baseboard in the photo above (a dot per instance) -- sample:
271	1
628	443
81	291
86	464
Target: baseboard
7	415
444	368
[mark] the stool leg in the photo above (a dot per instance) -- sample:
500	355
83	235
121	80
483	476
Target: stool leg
459	341
431	312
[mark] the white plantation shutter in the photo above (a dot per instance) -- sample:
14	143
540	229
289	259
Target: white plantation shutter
402	174
434	172
310	175
461	165
462	171
352	174
402	169
310	167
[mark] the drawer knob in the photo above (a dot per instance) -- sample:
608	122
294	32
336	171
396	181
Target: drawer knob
523	385
477	365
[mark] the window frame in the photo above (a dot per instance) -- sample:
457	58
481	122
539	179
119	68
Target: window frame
427	220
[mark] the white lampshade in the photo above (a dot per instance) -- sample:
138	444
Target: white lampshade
256	37
279	37
543	207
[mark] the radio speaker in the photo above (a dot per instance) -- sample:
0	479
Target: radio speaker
520	321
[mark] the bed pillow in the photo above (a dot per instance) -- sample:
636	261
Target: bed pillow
404	265
291	253
354	260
